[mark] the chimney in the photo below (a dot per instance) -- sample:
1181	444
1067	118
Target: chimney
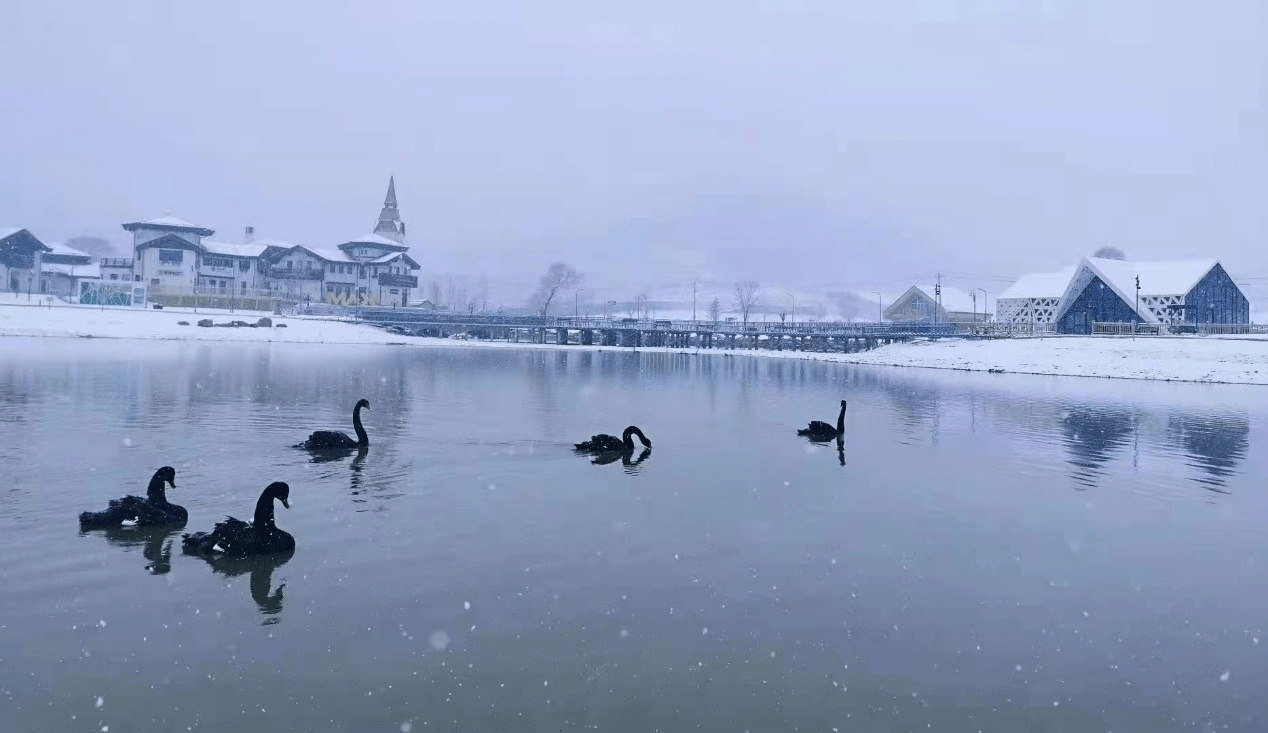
249	236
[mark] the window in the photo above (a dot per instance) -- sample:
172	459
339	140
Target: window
138	278
290	265
308	265
244	284
154	281
245	266
171	256
220	262
114	276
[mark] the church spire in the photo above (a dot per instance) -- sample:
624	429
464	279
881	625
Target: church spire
390	224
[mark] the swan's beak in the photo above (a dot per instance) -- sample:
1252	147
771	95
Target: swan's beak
286	504
171	484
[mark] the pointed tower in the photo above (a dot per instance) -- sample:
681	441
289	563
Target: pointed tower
390	224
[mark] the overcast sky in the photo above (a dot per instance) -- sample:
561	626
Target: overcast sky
811	143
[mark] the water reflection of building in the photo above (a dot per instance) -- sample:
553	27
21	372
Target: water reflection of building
1093	435
1214	444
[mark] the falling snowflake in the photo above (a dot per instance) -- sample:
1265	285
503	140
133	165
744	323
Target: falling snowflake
439	640
466	605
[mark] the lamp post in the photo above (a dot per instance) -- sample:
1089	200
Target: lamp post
576	302
986	299
792	315
879	317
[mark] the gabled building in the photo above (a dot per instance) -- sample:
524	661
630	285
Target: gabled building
63	268
167	251
1034	298
1192	292
921	304
21	256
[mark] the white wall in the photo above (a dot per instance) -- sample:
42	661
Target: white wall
147	265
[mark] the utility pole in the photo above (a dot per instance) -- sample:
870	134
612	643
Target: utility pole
694	283
937	298
1137	301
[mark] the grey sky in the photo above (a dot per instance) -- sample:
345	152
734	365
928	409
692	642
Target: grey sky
810	143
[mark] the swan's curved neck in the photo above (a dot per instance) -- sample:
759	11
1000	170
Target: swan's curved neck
156	491
841	419
362	438
264	510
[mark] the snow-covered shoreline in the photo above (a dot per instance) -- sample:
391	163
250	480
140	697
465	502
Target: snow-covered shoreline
1189	359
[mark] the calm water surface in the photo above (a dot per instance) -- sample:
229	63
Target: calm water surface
997	553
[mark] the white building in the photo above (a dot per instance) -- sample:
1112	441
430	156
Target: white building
167	252
63	267
1034	298
176	255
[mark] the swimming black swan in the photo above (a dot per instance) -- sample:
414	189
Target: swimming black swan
613	444
333	440
821	431
152	511
238	538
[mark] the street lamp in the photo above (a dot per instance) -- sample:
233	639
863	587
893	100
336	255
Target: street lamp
576	307
793	313
879	317
985	301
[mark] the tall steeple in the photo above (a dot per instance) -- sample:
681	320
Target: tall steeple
390	224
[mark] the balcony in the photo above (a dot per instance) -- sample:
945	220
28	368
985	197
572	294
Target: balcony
116	262
282	273
389	280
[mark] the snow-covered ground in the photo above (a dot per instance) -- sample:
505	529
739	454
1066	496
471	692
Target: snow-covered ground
62	320
1237	360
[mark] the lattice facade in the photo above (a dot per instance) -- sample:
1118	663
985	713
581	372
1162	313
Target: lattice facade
1026	310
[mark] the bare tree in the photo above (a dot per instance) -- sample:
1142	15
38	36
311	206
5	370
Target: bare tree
747	295
1110	253
560	276
715	311
435	294
95	246
455	293
852	305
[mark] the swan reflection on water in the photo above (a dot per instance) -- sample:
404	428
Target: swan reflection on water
627	460
261	568
155	544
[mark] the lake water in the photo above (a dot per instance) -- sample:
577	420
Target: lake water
997	553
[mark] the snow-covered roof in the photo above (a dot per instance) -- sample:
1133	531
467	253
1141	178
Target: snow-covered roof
250	249
58	248
377	240
954	300
1156	278
90	270
1040	284
331	254
168	222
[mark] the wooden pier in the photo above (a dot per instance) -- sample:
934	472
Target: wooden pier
636	333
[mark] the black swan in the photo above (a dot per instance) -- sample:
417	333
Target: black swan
237	538
821	431
613	444
333	440
152	511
